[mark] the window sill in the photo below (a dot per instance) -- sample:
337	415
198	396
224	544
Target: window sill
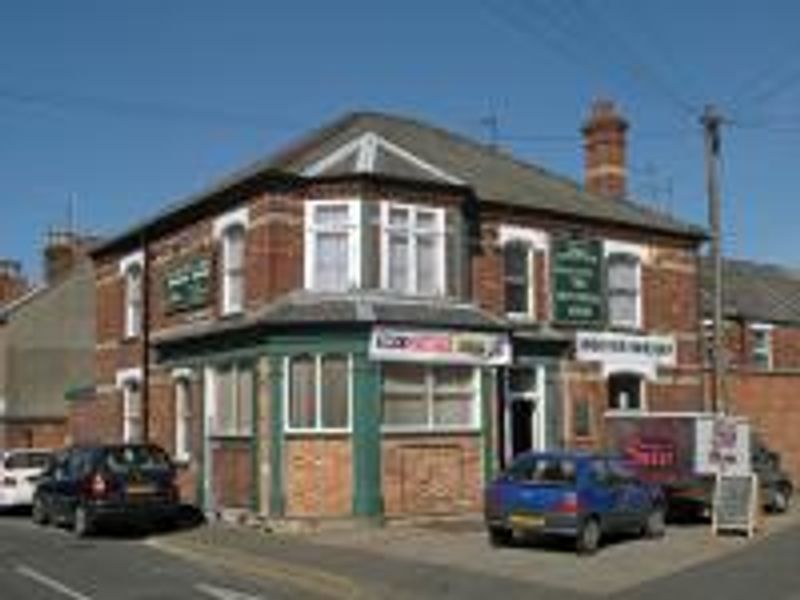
216	436
318	432
419	431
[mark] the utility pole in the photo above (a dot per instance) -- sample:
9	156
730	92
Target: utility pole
711	122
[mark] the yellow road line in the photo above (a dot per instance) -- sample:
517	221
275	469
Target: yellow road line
312	579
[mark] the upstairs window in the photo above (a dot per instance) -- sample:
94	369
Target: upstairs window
233	261
625	392
134	296
518	279
761	349
412	255
332	245
624	290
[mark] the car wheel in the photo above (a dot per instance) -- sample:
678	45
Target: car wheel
500	537
780	501
588	540
655	524
82	524
39	512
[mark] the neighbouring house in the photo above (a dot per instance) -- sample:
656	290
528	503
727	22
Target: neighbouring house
47	346
369	322
761	311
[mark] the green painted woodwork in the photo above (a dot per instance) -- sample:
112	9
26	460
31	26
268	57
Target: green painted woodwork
367	496
255	443
277	497
487	418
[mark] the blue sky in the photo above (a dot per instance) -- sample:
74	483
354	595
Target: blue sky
121	107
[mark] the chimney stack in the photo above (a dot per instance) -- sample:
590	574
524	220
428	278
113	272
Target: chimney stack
63	250
604	150
12	283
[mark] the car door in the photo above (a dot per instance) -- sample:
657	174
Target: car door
602	494
632	500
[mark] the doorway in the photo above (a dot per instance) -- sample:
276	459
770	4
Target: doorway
525	411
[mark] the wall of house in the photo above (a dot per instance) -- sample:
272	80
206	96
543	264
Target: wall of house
431	474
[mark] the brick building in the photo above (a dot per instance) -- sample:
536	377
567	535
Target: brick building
46	345
761	309
371	321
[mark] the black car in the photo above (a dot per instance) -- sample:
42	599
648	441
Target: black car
90	486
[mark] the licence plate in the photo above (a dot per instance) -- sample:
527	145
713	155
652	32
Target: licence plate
526	520
138	490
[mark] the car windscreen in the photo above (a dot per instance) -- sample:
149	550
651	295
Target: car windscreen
27	460
124	459
542	469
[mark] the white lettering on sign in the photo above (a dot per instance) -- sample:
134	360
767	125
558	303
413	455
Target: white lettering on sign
440	346
619	352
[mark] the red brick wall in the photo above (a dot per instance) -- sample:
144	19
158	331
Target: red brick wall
232	473
772	403
34	434
96	420
319	479
431	474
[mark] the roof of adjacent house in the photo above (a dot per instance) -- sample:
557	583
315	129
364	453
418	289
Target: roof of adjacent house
755	291
368	308
400	147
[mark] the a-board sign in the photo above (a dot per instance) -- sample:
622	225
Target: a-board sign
735	503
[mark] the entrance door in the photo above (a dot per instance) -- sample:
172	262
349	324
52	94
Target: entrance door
525	411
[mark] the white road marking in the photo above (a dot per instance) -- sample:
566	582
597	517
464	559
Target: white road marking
221	593
50	583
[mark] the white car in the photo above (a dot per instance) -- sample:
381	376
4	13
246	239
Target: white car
20	470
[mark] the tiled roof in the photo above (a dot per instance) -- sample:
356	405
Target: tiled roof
306	308
494	175
755	292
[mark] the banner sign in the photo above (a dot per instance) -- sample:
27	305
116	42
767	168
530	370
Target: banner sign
620	352
469	348
188	286
577	280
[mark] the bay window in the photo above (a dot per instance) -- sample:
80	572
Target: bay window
333	261
412	249
429	397
234	395
318	393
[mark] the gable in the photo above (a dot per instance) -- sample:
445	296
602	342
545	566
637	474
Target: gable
372	153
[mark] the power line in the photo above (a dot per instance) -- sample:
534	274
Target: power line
129	108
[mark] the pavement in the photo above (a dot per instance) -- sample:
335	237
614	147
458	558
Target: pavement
452	559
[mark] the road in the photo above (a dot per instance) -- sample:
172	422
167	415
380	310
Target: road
50	564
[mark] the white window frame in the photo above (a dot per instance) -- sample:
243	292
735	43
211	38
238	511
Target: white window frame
214	413
183	378
354	228
228	276
125	381
643	407
430	426
530	304
537	241
133	320
637	253
223	228
413	232
765	329
287	390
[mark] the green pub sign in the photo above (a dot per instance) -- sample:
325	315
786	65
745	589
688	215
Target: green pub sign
187	286
577	278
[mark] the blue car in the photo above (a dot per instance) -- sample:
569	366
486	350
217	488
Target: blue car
581	495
